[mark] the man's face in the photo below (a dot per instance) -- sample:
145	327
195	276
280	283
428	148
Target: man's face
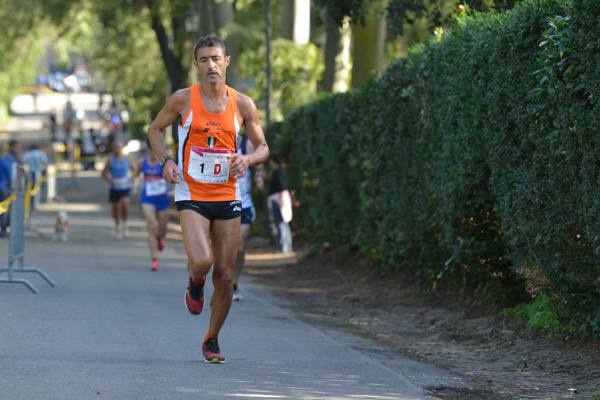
211	63
16	148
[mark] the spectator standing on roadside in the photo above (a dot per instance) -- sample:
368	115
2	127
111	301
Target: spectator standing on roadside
68	126
5	177
52	124
14	155
280	204
37	161
88	149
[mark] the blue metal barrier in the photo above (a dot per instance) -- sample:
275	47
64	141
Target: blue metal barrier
17	232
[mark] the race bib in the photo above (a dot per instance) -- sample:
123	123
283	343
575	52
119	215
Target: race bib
209	165
155	186
121	183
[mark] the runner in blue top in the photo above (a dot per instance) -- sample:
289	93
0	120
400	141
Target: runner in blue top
155	201
116	172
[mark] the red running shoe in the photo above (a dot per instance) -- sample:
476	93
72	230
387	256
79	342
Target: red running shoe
160	243
212	352
155	265
194	297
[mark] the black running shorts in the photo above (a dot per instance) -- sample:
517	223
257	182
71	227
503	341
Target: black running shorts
116	195
212	210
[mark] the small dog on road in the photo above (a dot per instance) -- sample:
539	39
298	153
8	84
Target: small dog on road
62	226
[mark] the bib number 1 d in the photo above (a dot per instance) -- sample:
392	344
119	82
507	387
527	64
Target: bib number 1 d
217	168
209	165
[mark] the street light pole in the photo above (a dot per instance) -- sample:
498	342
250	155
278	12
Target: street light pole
269	83
265	219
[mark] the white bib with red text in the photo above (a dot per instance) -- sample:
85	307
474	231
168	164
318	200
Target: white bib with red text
209	165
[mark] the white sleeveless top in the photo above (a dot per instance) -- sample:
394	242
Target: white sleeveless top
245	182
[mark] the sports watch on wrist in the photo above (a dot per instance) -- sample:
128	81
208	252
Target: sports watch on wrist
164	160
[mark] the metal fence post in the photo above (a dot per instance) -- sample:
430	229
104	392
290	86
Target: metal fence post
17	232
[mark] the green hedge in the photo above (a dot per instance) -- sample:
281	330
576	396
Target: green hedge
316	141
472	161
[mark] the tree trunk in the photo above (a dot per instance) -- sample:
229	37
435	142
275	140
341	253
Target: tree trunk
171	53
173	65
369	48
296	21
224	16
207	25
337	57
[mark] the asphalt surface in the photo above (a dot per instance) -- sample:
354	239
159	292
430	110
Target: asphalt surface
111	328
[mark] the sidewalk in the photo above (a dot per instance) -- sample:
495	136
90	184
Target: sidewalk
113	329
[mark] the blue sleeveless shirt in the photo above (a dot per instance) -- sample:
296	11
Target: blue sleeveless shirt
119	171
155	190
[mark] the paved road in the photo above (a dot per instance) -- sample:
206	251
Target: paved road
113	329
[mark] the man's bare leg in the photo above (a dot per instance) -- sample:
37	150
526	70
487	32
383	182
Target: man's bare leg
149	212
225	236
196	240
124	205
163	220
116	214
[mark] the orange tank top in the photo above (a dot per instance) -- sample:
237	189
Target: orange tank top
204	139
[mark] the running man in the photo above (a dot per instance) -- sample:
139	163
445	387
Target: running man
244	146
155	201
207	195
116	173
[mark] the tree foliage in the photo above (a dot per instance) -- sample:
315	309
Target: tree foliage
127	58
297	69
134	47
22	27
338	10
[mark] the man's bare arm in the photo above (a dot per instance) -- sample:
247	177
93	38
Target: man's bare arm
106	171
177	104
249	115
